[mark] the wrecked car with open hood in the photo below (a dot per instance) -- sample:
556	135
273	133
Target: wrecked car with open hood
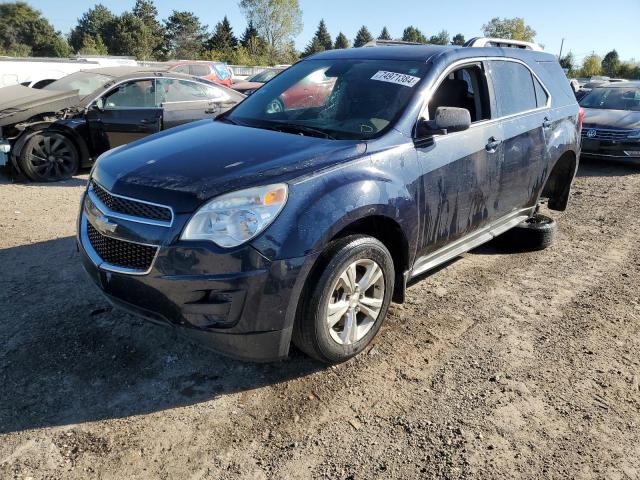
301	221
47	134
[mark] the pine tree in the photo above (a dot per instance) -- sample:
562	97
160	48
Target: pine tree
250	33
222	38
146	11
362	37
320	42
384	34
341	41
323	36
413	34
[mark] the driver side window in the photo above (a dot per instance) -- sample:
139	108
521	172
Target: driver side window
133	94
465	87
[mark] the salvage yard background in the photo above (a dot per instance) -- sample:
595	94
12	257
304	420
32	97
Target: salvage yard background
500	365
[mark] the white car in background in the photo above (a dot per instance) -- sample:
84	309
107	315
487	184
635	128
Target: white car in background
40	72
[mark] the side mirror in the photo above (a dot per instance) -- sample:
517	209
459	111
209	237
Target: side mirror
447	120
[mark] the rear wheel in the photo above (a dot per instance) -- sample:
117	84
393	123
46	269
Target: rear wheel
49	157
346	305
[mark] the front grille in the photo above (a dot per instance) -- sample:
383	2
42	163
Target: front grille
120	253
605	133
131	207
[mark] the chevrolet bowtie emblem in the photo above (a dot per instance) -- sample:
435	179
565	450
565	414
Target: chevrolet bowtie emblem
103	223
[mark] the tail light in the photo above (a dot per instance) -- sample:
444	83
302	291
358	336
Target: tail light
580	118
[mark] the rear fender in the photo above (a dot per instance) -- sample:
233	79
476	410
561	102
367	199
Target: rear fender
562	148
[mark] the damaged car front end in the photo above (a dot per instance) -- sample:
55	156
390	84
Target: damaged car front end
24	111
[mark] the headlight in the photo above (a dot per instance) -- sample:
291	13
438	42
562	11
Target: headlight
235	218
634	135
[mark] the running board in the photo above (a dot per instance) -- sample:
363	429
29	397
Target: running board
471	241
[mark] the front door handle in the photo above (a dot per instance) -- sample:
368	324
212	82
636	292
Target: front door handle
211	110
493	144
546	123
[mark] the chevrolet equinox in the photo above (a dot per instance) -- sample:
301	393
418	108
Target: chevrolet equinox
300	214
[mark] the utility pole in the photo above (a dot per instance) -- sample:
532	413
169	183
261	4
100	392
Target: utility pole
561	45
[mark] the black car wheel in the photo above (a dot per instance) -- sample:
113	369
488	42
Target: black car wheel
347	301
48	157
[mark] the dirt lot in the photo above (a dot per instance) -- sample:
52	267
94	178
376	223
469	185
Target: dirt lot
500	365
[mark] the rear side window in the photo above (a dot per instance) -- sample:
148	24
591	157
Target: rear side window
513	87
199	70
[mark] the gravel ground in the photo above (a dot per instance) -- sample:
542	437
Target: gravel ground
500	365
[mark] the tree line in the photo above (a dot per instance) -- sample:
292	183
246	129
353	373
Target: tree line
268	39
610	65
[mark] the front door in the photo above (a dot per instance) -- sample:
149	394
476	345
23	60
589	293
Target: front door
460	169
124	114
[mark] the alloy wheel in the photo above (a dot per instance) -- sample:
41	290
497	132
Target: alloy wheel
356	301
51	156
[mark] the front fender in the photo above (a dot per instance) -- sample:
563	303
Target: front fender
69	127
322	206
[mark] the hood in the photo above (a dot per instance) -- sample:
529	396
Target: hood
184	166
598	117
243	86
18	103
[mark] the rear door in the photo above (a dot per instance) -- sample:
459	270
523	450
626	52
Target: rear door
185	101
521	101
125	113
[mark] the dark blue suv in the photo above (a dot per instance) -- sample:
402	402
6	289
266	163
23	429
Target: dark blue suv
303	212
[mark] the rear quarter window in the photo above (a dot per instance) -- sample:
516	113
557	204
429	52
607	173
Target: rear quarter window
556	81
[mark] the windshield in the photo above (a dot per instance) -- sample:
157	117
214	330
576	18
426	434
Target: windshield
264	76
85	82
339	98
613	98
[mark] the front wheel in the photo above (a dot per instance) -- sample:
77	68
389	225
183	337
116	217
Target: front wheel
49	157
346	304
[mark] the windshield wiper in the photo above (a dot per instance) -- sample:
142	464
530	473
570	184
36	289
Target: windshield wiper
303	129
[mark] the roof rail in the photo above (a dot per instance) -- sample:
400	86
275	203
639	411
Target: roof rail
502	42
388	43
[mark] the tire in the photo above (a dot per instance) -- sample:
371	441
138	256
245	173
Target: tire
49	157
337	339
535	233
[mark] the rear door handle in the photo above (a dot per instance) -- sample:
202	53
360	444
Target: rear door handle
145	121
546	123
493	144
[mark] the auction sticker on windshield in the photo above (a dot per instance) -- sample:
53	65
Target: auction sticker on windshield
393	77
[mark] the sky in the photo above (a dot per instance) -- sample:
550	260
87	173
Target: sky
585	25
